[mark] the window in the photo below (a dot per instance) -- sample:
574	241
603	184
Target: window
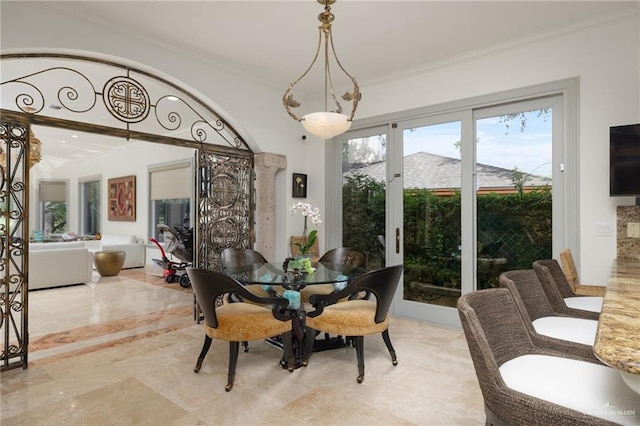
89	199
52	207
170	197
433	172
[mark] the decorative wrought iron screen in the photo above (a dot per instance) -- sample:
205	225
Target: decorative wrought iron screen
105	97
13	255
224	206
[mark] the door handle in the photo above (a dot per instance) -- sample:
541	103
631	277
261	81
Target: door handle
397	240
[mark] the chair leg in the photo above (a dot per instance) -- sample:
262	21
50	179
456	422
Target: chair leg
359	342
387	341
233	361
245	345
203	353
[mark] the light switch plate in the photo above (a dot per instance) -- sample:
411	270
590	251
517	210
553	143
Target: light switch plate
603	229
633	229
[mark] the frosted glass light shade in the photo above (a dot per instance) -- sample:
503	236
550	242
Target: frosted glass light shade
326	125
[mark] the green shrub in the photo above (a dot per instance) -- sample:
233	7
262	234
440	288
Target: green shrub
513	230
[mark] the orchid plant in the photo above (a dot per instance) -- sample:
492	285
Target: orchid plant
308	212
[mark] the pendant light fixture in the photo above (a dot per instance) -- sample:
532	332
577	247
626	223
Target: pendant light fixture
328	123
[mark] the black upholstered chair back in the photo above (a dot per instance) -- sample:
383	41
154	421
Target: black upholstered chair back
345	256
527	289
241	257
383	284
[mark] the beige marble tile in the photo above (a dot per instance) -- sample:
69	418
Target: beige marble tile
135	366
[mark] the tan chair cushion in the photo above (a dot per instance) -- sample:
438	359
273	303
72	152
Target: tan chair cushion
244	321
350	318
306	292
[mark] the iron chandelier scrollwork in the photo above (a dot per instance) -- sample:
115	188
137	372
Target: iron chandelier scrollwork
328	123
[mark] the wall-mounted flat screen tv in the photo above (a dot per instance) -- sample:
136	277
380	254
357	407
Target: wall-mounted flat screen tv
624	164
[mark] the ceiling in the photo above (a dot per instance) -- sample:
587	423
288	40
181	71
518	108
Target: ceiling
274	41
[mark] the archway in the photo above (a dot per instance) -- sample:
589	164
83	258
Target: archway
104	97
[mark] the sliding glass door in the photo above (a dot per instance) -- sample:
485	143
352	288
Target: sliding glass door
473	198
363	187
515	186
461	196
427	193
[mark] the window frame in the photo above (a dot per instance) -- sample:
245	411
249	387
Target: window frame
189	164
41	204
567	89
82	205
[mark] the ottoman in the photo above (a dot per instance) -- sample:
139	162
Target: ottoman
108	262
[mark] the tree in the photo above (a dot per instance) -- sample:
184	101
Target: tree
522	117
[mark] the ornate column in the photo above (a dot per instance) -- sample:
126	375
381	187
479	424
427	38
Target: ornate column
266	166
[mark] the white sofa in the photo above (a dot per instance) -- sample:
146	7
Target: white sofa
59	264
133	247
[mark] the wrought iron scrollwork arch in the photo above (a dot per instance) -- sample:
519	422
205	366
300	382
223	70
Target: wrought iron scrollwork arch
131	103
129	95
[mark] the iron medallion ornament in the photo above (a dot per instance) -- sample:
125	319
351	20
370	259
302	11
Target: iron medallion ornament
126	99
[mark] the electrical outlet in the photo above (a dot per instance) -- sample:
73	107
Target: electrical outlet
633	229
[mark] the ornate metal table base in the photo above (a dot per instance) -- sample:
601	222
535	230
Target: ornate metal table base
298	337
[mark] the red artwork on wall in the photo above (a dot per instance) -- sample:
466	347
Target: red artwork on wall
122	198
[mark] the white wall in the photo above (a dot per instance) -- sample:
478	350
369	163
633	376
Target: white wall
252	108
106	166
605	57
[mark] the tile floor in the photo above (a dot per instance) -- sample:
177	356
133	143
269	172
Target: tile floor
121	351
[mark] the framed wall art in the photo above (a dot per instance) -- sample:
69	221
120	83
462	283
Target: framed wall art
299	186
122	198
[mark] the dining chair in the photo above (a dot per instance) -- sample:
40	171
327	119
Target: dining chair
558	290
528	381
571	274
239	321
335	257
244	259
357	318
579	326
579	346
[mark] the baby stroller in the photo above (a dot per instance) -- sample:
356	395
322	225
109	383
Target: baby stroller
178	241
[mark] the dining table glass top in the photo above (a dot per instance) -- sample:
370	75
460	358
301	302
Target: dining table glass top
274	274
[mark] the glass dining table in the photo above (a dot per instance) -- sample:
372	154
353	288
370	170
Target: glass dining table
275	274
270	276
